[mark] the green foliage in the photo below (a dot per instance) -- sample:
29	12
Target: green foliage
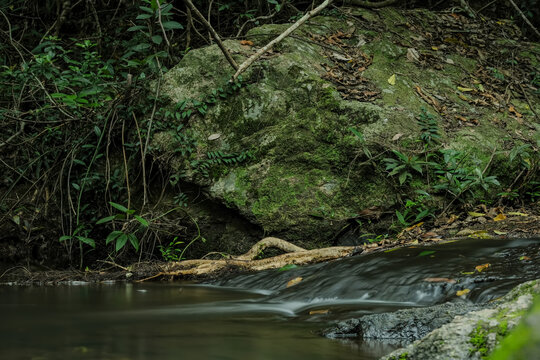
173	251
415	210
219	158
403	166
128	232
478	340
429	128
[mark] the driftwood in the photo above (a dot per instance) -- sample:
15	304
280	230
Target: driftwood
248	262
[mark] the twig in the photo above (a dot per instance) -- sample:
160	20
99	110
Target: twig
23	124
161	24
490	160
145	190
268	46
529	102
213	32
485	6
524	18
126	168
114	264
370	4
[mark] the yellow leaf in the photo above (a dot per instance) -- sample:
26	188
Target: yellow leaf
480	234
434	48
500	232
463	97
475	214
294	281
483	267
414	226
319	312
517	214
499	217
392	79
524	258
463	292
464	89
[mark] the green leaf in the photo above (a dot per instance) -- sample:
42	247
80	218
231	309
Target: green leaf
87	241
64	238
134	241
168	25
118	207
143	16
135	28
140	47
113	236
426	253
105	219
288	267
401	218
147	9
157	39
142	220
403	177
121	241
76	186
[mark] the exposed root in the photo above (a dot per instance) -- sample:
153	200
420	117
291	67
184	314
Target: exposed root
247	262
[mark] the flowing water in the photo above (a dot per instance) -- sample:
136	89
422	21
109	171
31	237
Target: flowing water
254	316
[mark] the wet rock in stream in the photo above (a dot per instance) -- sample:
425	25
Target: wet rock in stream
406	324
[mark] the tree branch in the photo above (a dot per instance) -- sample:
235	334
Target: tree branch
213	32
286	33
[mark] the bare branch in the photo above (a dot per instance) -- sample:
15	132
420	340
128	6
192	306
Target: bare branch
213	32
286	33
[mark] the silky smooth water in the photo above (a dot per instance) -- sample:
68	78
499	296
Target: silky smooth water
253	316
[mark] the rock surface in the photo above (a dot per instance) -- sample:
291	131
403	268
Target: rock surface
475	334
299	113
408	324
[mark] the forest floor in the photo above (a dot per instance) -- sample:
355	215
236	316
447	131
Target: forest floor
494	223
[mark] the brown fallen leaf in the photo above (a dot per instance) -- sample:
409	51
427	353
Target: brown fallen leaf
437	280
482	267
463	292
319	312
294	281
512	109
246	42
396	137
499	217
524	257
452	218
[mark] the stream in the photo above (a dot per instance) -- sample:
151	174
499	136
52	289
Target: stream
255	316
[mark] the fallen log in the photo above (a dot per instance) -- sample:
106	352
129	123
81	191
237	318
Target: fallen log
247	262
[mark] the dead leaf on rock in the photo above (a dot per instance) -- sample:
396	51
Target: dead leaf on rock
246	42
294	281
482	267
463	292
475	214
438	280
517	214
499	217
319	312
396	137
412	55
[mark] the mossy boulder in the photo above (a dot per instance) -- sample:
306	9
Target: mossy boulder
309	174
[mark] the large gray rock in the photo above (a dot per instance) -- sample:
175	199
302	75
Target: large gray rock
310	173
475	334
407	324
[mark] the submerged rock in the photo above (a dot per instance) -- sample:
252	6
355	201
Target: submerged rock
407	324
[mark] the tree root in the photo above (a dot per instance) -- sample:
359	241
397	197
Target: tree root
248	262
